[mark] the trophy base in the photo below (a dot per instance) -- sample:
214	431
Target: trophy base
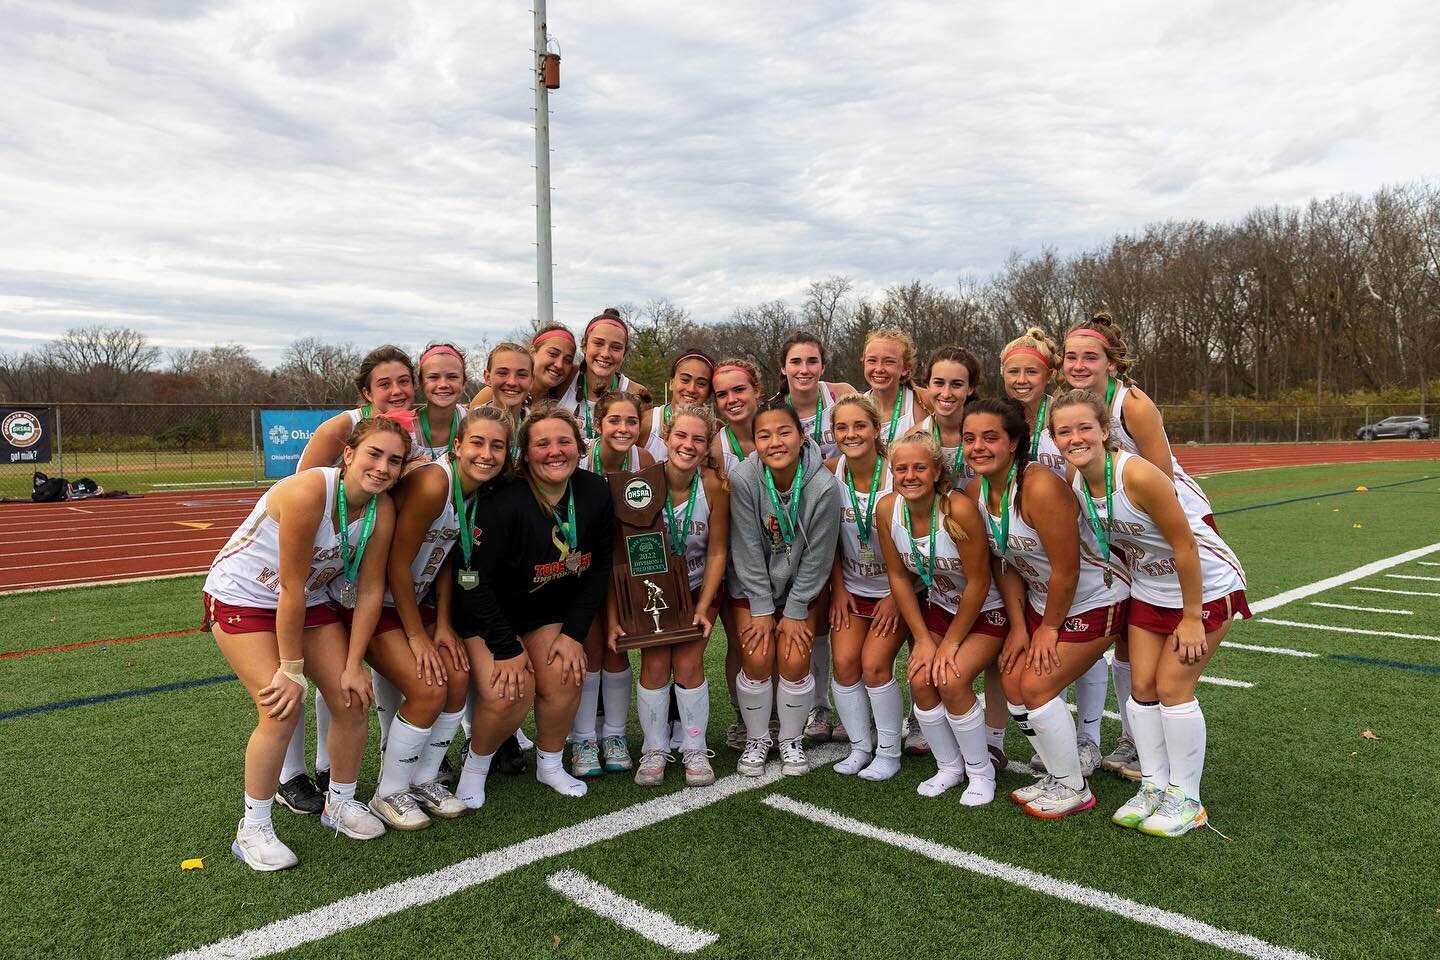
640	640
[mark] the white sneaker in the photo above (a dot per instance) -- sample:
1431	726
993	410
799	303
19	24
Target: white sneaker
1025	794
400	811
438	801
915	743
698	771
352	818
259	849
1134	811
1089	757
1057	800
1123	760
1176	815
651	771
793	762
752	760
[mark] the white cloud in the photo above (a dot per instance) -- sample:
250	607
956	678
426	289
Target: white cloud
263	171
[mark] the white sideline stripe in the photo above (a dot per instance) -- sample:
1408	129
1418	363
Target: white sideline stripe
1367	633
1411	576
653	925
1402	593
1176	923
1429	563
1107	714
360	908
1340	579
6	591
1259	649
1225	682
1346	606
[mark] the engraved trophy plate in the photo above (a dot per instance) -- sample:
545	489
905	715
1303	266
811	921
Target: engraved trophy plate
649	586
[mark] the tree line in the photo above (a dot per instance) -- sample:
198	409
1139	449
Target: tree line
1337	298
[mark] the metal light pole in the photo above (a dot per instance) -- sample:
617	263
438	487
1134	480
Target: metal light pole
545	278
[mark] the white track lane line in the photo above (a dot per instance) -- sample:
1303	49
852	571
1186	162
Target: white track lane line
653	925
45	586
1341	579
205	551
1169	920
1287	651
1412	576
1400	593
1346	606
95	550
361	908
1367	633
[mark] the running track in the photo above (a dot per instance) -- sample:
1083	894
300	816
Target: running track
170	534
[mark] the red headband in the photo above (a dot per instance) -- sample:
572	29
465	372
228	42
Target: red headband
1088	332
406	418
1044	360
693	356
733	366
441	349
557	332
606	318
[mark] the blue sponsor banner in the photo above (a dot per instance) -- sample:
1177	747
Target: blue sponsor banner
286	432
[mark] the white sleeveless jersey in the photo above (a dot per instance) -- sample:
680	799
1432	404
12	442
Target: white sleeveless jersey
1192	498
433	452
826	442
1027	555
903	422
246	571
584	408
728	456
439	540
1048	455
950	577
655	444
587	462
862	579
961	474
697	535
1149	555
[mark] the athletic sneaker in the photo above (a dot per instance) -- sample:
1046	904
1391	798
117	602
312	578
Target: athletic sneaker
258	848
752	760
437	799
1057	800
1137	808
735	736
617	755
400	811
1025	794
447	773
1089	756
322	780
1176	815
651	772
352	818
698	772
817	724
915	743
1123	759
585	759
838	733
793	762
300	795
998	760
510	758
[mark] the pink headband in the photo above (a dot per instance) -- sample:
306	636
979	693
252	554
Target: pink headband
553	333
694	356
733	366
606	318
1044	360
1088	332
406	418
441	350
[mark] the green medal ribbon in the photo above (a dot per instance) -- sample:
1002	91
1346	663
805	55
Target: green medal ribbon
1109	390
1039	426
587	404
864	523
679	534
1002	531
1102	532
735	443
895	413
465	520
819	412
595	460
926	571
425	428
567	526
350	563
959	450
365	413
788	524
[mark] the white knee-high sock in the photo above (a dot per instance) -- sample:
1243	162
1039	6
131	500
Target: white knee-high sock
756	697
1090	691
888	706
654	709
950	770
402	756
387	704
1120	671
584	726
615	691
1149	735
820	669
467	721
1185	745
438	744
295	751
322	733
795	700
1054	730
969	730
853	705
471	788
694	706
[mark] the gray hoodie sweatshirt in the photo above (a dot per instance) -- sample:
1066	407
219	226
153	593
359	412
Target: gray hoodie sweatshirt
771	578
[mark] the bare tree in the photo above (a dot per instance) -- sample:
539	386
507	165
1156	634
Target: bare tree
314	371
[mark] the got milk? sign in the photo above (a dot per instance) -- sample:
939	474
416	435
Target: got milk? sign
24	434
286	432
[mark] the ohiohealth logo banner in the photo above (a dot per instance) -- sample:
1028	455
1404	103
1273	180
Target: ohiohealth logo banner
286	432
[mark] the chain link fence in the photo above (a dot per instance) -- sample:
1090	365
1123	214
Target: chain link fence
1228	420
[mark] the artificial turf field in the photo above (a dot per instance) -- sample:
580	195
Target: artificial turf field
1333	851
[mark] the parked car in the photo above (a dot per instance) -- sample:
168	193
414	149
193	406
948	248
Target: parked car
1412	427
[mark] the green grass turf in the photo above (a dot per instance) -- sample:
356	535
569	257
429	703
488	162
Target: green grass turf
1334	850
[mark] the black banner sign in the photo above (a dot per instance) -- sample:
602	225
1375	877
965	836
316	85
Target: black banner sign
24	434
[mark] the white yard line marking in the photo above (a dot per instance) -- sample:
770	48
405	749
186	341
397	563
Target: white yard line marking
1259	649
1368	633
1225	682
1401	593
1429	563
1411	576
653	925
1346	606
1176	923
1340	580
1107	714
361	908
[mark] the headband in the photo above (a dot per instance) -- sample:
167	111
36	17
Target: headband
406	418
1044	360
733	366
557	332
441	350
1088	332
692	356
606	318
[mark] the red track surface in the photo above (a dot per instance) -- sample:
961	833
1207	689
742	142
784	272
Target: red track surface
56	544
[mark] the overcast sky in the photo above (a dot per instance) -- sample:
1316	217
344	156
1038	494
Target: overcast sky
257	171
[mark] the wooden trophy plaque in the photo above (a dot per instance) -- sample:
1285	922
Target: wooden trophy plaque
649	585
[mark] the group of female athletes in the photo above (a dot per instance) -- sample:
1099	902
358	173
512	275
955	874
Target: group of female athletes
464	553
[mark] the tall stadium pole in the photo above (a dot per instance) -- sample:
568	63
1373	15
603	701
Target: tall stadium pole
545	278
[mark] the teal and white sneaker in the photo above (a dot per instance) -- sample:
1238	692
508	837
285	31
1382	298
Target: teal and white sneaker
616	754
585	759
1133	811
1176	815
